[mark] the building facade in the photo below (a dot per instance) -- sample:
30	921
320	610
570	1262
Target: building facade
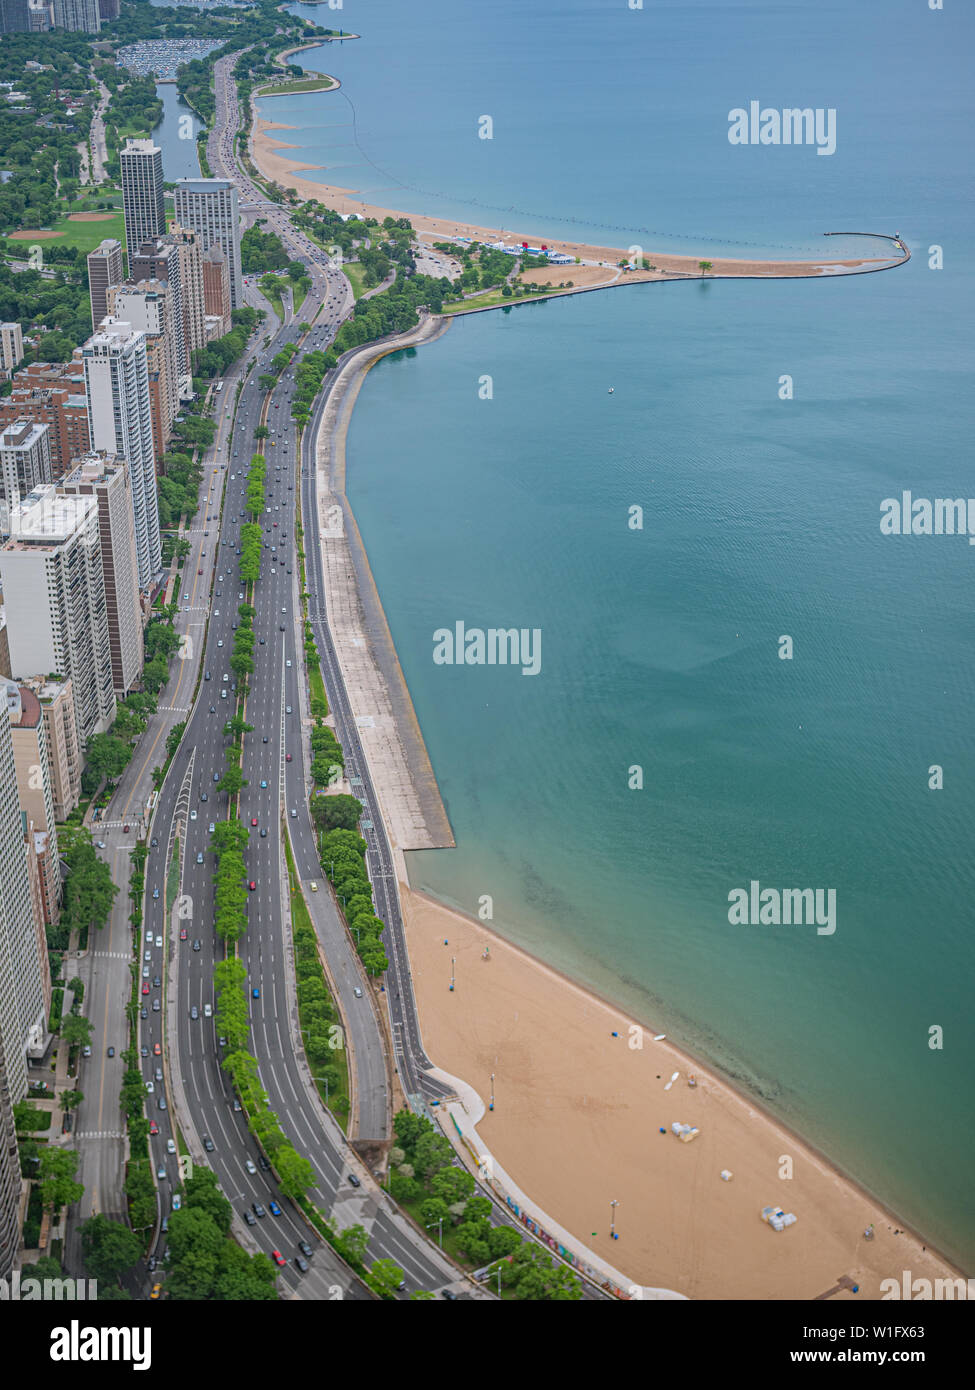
104	269
79	16
209	206
25	461
120	418
107	480
159	260
11	346
142	193
52	393
190	249
149	307
56	697
23	1020
32	765
54	597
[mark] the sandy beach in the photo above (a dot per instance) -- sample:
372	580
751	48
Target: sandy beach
280	168
577	1121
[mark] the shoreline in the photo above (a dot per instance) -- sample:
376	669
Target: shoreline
559	1158
266	151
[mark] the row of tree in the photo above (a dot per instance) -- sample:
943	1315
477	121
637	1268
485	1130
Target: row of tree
343	859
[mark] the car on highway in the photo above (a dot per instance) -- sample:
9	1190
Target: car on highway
199	853
263	784
287	709
294	813
256	993
207	1010
314	886
150	1086
263	832
249	1217
145	969
305	1248
155	893
287	757
357	992
155	1006
161	1171
208	1143
156	1290
153	1127
354	1180
111	1052
144	1051
177	1202
159	941
182	933
301	1263
252	885
194	1012
274	1208
157	1049
144	1012
249	1165
145	987
193	817
278	1258
196	943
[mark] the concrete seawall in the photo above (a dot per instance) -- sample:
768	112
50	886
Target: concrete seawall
390	733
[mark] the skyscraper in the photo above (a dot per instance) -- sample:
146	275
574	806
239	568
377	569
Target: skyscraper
216	290
104	270
34	785
14	17
149	306
79	16
25	461
11	345
120	415
107	479
22	1018
10	1180
189	245
54	597
142	193
56	694
209	206
52	393
159	260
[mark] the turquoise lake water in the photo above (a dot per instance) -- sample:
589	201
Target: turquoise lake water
761	519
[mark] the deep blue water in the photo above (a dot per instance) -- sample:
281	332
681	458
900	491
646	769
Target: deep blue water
761	518
176	135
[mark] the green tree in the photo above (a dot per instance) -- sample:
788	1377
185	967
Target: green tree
107	1247
70	1099
202	1192
75	1029
384	1278
56	1180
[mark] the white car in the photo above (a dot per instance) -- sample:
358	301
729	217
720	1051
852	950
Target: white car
150	1086
170	1146
158	940
207	1011
193	814
250	1166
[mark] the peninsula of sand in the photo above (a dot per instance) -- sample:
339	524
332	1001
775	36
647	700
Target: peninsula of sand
599	265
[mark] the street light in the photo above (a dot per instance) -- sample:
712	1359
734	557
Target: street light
439	1224
453	961
491	1106
612	1220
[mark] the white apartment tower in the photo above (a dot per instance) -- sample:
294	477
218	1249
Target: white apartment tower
54	592
22	1018
107	479
120	420
25	461
142	193
209	206
11	345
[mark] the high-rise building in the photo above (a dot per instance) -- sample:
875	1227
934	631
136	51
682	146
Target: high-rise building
25	461
108	9
120	416
22	1015
52	393
54	595
39	16
209	206
14	17
79	16
142	193
188	244
55	693
104	269
149	306
32	766
4	644
107	479
159	260
10	1178
216	290
11	346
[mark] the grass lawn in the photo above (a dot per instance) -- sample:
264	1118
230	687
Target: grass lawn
490	299
300	84
270	294
315	683
172	878
356	275
86	235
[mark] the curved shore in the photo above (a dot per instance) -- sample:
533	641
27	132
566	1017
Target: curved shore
278	168
569	1135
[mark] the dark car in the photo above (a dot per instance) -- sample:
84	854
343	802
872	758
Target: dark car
250	1218
302	1264
354	1180
111	1052
258	1209
262	1160
305	1248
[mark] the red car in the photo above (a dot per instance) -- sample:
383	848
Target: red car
157	1050
145	986
252	885
153	1127
253	820
199	571
278	1258
125	829
287	757
182	934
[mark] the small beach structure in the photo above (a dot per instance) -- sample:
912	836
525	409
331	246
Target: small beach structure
777	1218
685	1133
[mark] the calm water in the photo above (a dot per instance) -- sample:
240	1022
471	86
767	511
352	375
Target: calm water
760	519
176	135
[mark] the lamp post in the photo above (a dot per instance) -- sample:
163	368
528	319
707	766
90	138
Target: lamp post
439	1224
453	961
491	1106
612	1220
